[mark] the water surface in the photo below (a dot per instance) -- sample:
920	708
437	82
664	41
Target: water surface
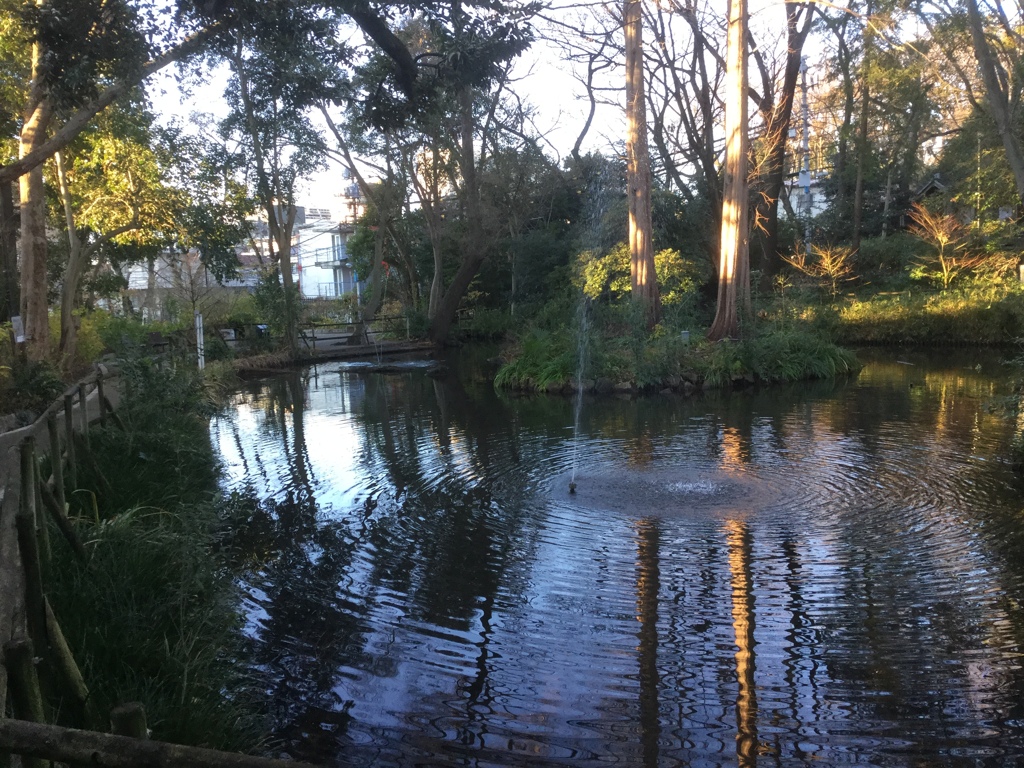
824	574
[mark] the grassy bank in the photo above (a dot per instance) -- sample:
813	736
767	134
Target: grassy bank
153	615
799	332
549	361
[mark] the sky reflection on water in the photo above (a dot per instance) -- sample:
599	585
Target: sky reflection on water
824	573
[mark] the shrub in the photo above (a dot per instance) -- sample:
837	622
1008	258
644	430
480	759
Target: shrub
779	356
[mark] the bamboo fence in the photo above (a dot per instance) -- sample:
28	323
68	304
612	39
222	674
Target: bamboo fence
30	636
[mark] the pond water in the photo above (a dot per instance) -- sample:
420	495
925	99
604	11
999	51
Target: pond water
825	574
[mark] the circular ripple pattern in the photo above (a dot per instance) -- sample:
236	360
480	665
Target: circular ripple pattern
804	577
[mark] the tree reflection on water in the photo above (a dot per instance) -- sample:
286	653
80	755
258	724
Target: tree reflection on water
422	589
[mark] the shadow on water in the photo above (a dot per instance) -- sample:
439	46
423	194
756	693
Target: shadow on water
825	573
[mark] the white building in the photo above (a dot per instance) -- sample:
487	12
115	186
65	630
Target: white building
322	264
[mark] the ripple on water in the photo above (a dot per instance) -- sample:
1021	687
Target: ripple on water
823	591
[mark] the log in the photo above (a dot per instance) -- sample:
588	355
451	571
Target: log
52	742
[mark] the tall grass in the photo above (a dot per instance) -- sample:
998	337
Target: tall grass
153	615
779	356
982	314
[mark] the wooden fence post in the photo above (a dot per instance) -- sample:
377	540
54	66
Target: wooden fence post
101	400
28	546
26	697
60	517
69	438
56	460
83	403
129	720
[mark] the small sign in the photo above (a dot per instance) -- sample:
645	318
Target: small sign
19	329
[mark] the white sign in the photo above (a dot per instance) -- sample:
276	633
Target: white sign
19	329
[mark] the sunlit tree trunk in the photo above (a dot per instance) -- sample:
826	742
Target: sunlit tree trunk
73	272
997	98
734	260
34	306
643	278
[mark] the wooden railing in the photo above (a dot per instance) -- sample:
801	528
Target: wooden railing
31	639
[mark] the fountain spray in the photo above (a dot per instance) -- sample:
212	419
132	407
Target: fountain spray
582	349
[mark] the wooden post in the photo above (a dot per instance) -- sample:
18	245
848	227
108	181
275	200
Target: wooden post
84	405
129	720
60	517
56	461
23	682
28	546
70	674
69	439
42	530
101	400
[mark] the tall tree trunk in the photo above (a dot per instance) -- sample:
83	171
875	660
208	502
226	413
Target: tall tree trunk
643	278
777	132
997	100
473	244
73	272
283	237
34	305
10	295
734	261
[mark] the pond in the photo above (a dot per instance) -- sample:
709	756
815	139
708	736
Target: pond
828	573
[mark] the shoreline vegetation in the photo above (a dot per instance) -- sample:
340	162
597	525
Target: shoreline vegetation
153	614
798	332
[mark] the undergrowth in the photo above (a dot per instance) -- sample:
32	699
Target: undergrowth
152	615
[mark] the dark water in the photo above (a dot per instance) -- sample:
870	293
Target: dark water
824	574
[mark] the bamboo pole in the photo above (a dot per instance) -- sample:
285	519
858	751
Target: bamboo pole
129	720
83	404
69	671
26	697
42	530
60	517
28	546
56	462
69	439
101	400
68	745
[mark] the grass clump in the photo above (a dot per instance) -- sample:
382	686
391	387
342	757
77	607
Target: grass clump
153	614
775	357
538	359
